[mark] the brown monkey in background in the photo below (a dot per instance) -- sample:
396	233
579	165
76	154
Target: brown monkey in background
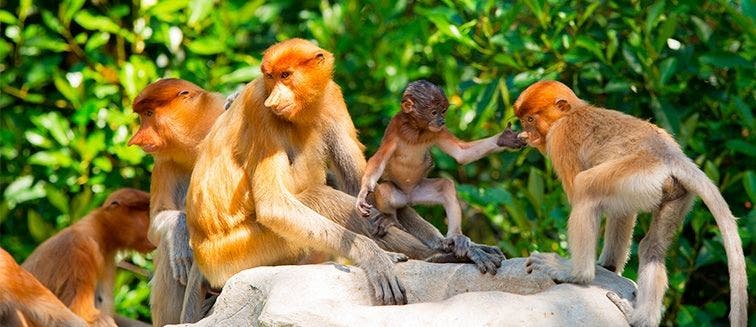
174	116
78	263
403	161
24	301
616	164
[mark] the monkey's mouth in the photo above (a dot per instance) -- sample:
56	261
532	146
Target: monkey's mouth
435	128
535	139
284	110
150	148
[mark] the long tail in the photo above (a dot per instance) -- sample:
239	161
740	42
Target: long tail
696	181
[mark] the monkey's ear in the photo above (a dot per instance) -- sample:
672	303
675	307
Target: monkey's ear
320	57
562	104
408	106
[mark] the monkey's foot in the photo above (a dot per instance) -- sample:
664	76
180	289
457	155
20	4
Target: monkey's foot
380	224
458	244
558	268
634	317
486	261
397	257
379	270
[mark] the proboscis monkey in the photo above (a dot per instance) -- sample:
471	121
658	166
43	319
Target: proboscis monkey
174	116
78	263
24	301
616	164
243	205
403	161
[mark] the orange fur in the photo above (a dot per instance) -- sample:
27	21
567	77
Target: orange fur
24	301
269	148
77	264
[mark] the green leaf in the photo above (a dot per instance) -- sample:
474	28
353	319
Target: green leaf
749	183
725	60
591	45
741	146
667	68
206	46
632	60
96	23
56	198
52	22
198	10
39	229
8	18
68	8
654	12
702	29
241	75
22	190
96	41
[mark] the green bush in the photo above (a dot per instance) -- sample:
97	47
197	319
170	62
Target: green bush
70	70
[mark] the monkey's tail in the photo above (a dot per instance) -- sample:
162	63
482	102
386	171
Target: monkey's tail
696	181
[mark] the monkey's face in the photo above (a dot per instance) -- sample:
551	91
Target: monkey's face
296	73
168	108
539	106
435	116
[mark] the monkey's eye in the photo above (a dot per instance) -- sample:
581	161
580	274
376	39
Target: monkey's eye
184	92
284	75
269	76
530	119
434	112
443	111
148	113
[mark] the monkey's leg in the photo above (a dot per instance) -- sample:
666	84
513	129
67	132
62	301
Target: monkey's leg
339	207
617	238
194	297
167	293
387	199
652	272
442	191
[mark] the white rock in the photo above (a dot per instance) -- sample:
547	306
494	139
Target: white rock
438	295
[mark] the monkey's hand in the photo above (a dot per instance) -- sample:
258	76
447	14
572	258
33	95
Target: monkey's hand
379	270
458	244
556	267
363	207
179	252
230	100
381	222
510	139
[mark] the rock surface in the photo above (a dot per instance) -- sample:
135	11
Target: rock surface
438	294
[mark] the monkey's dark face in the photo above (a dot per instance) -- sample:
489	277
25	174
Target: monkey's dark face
433	115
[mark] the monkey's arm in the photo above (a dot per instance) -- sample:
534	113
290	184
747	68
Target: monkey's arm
277	209
373	172
466	152
167	218
80	279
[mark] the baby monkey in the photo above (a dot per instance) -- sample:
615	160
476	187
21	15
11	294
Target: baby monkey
403	161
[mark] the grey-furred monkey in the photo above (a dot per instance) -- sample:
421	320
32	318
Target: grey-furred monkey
616	164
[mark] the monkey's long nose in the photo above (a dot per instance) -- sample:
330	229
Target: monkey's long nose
273	99
523	135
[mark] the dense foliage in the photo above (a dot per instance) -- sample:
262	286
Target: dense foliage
70	70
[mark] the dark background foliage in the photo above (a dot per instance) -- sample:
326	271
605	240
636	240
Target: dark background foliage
70	70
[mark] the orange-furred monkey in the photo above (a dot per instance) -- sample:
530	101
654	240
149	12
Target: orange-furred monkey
174	116
267	152
24	301
616	164
78	263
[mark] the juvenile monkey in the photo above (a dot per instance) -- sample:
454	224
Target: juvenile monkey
78	263
24	301
616	164
174	116
403	161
